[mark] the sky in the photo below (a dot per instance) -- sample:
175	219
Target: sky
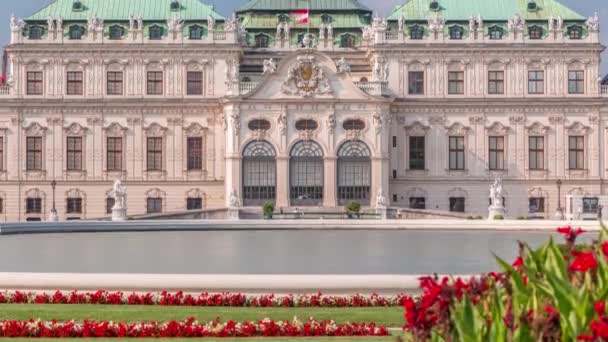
22	8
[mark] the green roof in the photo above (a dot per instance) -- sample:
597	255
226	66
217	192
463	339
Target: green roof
270	21
313	5
119	10
493	10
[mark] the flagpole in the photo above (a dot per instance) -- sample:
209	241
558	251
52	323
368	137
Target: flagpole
308	13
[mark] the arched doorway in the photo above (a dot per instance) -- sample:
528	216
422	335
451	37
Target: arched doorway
259	173
306	174
354	173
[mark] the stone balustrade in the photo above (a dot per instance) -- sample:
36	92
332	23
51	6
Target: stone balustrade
604	90
375	88
246	87
5	90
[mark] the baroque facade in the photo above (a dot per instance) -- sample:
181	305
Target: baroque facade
421	109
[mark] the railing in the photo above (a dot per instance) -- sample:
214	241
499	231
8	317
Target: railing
219	35
5	90
391	35
604	90
375	88
246	87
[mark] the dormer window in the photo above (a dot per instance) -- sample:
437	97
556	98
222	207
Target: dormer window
77	6
116	32
434	6
347	41
36	32
156	32
76	32
575	32
175	6
326	18
283	18
261	41
532	6
535	32
196	32
496	33
456	33
416	32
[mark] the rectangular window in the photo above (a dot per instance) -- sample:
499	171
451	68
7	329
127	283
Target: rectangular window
155	82
34	83
74	206
457	204
34	153
536	153
194	203
1	153
576	152
496	82
33	206
74	153
109	204
114	83
536	82
497	153
195	83
417	203
74	85
415	83
155	154
195	153
417	153
114	154
456	153
154	205
536	205
590	205
394	141
576	82
456	82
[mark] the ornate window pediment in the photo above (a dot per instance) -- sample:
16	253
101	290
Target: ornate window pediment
261	41
575	32
416	32
496	32
537	192
75	193
194	130
538	129
498	128
196	32
35	129
416	192
195	193
155	193
578	128
416	129
35	193
155	130
458	192
457	129
456	32
76	32
578	192
115	129
116	32
75	129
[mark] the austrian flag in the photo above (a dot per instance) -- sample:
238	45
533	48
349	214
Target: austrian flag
300	16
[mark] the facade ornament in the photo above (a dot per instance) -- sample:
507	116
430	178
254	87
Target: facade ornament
282	123
282	31
175	26
131	22
378	120
578	128
353	134
235	121
557	119
259	134
593	23
75	129
307	134
306	78
270	66
119	210
140	23
233	200
367	32
517	120
210	23
479	23
436	23
381	200
472	24
308	41
457	129
380	70
516	24
331	122
51	24
400	23
437	120
498	129
17	23
496	194
330	32
477	120
343	66
416	129
232	71
594	119
537	129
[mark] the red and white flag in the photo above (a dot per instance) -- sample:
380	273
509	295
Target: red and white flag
300	16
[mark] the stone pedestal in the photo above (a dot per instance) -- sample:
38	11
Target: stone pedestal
233	214
495	211
383	212
119	214
53	217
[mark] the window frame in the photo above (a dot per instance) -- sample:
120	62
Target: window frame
534	82
456	33
73	205
496	85
154	205
496	154
155	84
114	154
194	153
578	151
456	81
417	202
113	29
75	29
535	32
34	159
155	32
539	204
154	156
415	82
196	84
38	29
534	150
74	83
114	86
416	164
453	201
261	41
33	205
495	33
416	32
457	152
34	85
578	81
195	28
74	152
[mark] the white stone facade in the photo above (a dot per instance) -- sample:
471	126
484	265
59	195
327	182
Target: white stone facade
298	85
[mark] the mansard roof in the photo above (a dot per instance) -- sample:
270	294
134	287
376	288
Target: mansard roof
120	10
313	5
498	10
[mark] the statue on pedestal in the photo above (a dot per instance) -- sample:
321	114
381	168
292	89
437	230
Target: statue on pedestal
119	210
497	208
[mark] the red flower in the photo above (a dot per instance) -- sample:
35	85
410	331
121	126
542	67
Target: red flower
605	249
583	261
569	233
518	263
600	309
551	311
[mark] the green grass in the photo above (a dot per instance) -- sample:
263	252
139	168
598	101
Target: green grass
385	316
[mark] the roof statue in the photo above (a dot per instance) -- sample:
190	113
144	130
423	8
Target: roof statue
270	66
516	24
593	23
343	66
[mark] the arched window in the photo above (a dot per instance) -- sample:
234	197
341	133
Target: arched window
306	125
261	41
259	124
575	32
76	32
156	32
354	173
416	32
259	173
456	33
535	32
495	33
306	174
196	32
363	80
347	41
116	32
35	32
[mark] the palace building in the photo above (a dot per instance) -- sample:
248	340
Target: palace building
302	103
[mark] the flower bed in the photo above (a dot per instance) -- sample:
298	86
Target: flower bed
204	299
187	328
553	293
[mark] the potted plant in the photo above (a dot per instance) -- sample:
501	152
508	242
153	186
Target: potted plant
268	210
353	209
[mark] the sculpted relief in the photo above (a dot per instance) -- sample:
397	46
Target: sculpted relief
306	78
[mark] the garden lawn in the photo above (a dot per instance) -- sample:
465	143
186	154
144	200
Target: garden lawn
383	316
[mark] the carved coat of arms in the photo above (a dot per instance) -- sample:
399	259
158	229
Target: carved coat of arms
306	78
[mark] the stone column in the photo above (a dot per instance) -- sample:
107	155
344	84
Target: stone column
282	197
330	179
233	157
